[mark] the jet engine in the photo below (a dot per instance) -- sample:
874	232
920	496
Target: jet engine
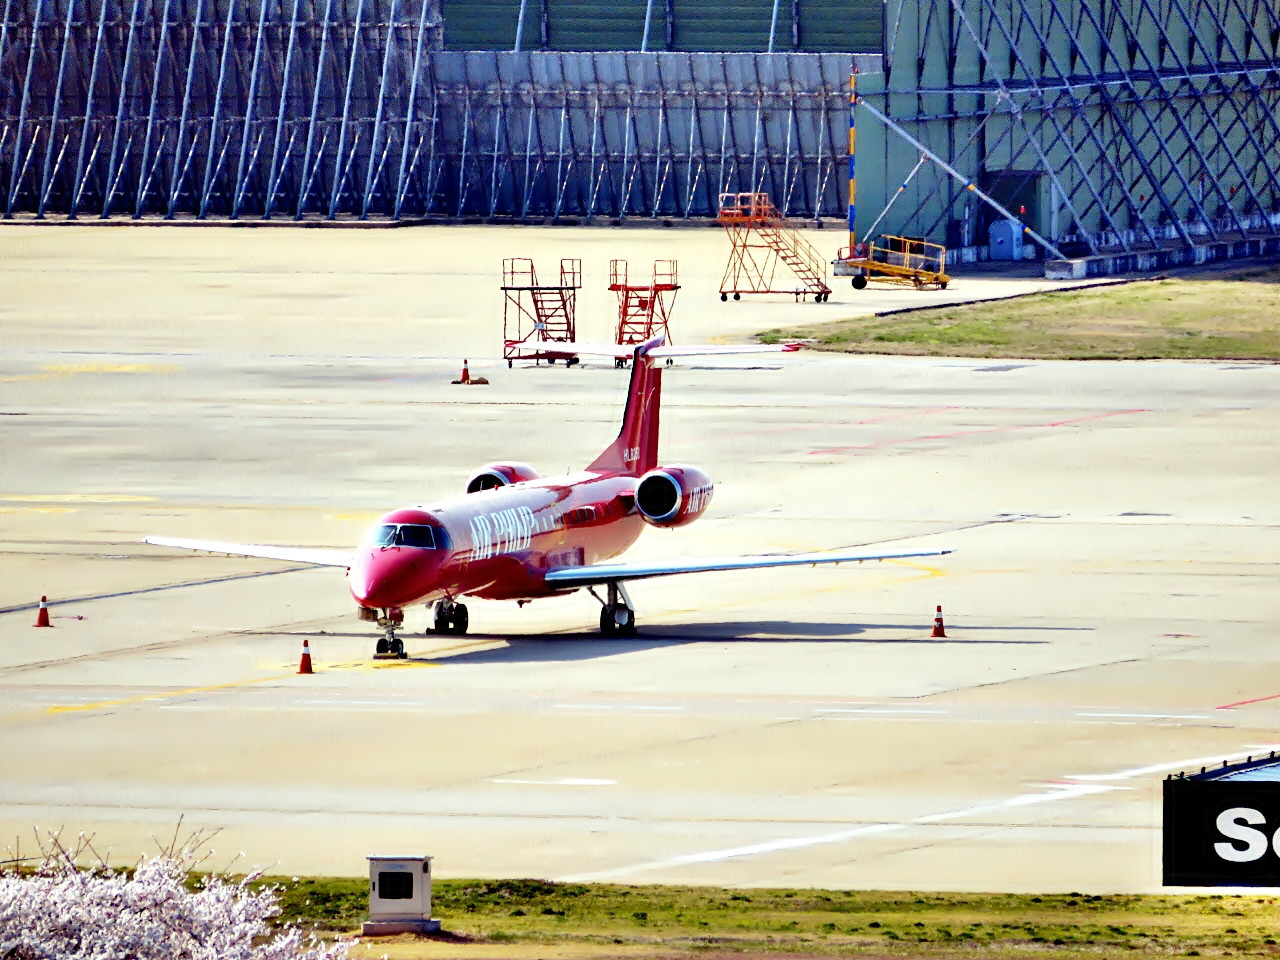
673	496
493	475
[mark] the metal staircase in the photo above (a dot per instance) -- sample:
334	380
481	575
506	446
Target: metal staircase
762	240
535	315
644	310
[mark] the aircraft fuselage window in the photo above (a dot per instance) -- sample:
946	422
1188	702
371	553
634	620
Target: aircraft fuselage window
405	535
412	535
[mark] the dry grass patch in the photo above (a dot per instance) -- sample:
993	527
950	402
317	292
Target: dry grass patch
1214	316
524	919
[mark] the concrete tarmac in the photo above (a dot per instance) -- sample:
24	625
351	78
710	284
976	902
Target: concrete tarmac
1111	608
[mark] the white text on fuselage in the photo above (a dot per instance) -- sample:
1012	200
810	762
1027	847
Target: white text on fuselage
505	531
699	497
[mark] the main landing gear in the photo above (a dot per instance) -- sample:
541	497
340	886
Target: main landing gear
451	617
617	615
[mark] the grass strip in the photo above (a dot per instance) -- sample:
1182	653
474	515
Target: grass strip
519	918
1216	316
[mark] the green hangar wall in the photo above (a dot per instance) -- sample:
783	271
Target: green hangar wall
1096	125
713	26
1102	126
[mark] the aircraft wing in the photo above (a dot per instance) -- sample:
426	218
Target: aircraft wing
642	570
624	351
316	555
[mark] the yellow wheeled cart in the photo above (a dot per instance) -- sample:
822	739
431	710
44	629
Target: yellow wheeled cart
909	261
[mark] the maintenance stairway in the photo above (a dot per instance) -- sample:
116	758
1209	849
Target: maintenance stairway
535	315
761	240
644	309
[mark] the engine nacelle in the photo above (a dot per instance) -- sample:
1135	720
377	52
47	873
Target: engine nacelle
673	496
493	475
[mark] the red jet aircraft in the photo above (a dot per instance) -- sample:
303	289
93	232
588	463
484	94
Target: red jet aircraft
515	535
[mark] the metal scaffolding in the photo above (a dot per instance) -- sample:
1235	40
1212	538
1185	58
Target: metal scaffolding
1099	124
324	109
1118	125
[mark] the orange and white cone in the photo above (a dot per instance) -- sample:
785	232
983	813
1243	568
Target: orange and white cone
938	629
304	665
465	377
42	618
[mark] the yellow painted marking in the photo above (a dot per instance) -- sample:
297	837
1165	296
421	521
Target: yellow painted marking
367	665
38	510
53	371
75	498
929	572
145	697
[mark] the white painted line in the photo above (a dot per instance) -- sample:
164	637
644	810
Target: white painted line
614	706
887	711
1175	765
1060	792
1057	791
1150	716
565	782
729	853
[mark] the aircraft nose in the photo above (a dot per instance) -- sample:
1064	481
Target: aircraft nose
391	577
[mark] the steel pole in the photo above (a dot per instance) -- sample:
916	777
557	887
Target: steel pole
207	190
853	172
46	178
961	178
308	166
78	182
15	175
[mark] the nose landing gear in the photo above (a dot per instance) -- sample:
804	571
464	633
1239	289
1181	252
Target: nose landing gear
390	645
451	617
617	615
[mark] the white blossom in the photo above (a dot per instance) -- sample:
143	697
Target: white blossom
64	912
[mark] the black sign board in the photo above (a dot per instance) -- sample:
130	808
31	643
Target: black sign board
1221	833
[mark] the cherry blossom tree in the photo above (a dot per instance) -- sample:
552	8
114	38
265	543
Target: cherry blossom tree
62	910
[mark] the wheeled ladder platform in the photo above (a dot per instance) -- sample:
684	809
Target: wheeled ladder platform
908	261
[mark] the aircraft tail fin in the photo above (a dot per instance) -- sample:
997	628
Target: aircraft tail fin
636	449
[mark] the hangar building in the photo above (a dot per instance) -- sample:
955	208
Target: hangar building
1128	126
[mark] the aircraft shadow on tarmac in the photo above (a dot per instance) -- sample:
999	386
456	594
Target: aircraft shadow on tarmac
590	646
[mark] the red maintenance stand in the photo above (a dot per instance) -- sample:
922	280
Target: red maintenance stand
644	309
536	316
762	240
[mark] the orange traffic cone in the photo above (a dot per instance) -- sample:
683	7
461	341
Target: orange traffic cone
42	618
466	374
938	629
304	665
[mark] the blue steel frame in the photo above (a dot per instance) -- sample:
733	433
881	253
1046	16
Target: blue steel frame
1148	122
330	109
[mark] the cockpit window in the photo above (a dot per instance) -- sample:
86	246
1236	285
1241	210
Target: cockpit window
404	535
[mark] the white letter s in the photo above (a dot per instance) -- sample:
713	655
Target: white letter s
1229	826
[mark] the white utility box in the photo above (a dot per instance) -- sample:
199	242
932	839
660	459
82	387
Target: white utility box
399	896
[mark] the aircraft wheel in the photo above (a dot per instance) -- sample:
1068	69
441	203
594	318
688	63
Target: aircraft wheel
397	648
441	621
461	618
607	624
628	625
382	646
